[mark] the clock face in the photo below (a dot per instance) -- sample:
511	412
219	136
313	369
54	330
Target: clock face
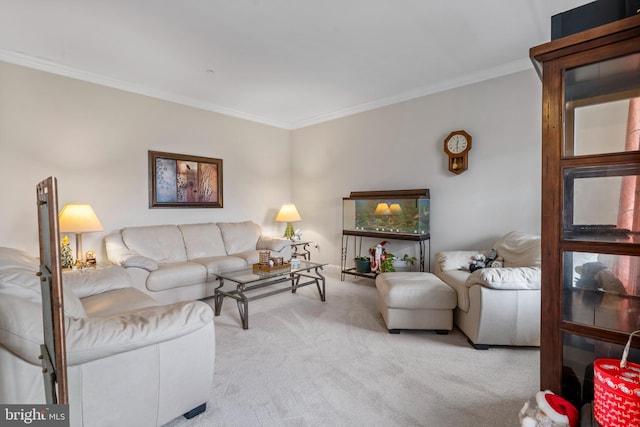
457	144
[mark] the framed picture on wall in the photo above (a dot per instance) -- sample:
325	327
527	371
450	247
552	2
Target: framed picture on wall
182	181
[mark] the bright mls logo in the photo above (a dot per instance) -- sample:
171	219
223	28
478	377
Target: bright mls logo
34	415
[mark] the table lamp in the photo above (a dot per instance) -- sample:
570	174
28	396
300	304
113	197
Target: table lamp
288	213
78	219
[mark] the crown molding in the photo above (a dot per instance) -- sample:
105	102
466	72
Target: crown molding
46	65
41	64
501	70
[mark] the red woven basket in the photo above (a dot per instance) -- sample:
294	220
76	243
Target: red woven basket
616	394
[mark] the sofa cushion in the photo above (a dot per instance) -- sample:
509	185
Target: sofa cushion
89	282
517	278
251	256
117	301
221	263
161	243
415	290
175	275
239	236
202	240
519	249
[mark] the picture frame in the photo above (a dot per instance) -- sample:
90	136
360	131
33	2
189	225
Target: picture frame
184	181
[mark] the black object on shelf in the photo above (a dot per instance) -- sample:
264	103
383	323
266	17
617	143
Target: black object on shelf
592	15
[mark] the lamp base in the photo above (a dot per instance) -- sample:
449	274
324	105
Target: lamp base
288	232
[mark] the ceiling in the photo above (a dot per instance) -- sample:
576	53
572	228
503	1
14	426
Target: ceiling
286	63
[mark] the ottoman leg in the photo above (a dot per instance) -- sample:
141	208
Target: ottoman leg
394	331
442	332
478	346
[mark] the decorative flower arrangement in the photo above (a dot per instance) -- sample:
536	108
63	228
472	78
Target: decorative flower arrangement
65	253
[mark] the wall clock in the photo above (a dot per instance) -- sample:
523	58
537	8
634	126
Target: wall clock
457	146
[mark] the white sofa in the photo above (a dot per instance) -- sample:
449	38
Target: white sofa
131	361
178	262
497	306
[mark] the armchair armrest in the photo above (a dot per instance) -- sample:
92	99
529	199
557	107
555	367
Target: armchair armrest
454	260
94	338
514	278
89	282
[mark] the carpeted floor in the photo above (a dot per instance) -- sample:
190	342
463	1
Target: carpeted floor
303	362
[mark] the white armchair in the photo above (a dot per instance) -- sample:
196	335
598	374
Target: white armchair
497	306
130	360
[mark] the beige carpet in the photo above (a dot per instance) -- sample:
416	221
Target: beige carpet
303	362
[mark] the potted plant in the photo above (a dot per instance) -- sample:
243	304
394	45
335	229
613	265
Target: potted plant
386	266
404	263
363	264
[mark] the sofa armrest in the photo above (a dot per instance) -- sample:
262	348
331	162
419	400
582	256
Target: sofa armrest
89	281
454	260
272	243
95	338
514	278
119	254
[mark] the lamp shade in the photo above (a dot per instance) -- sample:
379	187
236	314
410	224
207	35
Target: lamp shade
288	213
77	218
382	209
395	209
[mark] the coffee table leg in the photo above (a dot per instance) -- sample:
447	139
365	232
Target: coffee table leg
243	306
218	297
243	309
322	291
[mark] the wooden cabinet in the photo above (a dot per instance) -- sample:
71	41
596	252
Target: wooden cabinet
590	203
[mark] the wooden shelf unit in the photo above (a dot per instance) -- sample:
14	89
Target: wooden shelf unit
580	72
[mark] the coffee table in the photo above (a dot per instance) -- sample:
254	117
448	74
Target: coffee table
237	284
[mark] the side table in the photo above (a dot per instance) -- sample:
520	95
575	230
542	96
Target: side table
300	248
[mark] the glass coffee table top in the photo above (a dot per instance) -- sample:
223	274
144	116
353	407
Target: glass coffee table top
247	275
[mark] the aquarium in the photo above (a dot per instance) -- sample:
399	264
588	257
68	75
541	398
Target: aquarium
404	212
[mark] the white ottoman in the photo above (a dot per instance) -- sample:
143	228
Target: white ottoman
415	300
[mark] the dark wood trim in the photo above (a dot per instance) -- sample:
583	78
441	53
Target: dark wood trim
587	40
52	298
391	194
381	235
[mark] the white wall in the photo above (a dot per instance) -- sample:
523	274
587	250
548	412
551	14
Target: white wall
401	147
95	141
